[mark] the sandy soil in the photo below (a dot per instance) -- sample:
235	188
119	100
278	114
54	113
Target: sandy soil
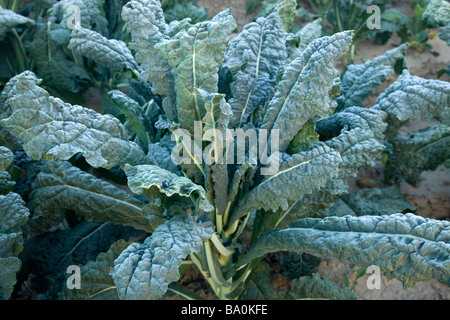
431	195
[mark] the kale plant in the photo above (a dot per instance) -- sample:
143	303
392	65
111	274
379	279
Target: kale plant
254	134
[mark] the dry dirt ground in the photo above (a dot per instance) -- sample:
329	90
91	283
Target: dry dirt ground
431	195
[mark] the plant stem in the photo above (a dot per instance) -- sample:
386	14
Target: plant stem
226	214
219	222
19	50
199	166
231	229
337	16
352	53
219	246
15	6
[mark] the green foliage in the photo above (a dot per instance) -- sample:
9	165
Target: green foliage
341	237
103	192
143	271
13	215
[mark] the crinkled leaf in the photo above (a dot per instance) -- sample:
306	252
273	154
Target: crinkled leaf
305	139
267	7
371	120
6	184
134	115
48	255
260	287
9	20
195	55
300	41
254	58
146	24
189	10
287	11
437	12
410	98
155	182
52	129
110	53
9	91
97	283
444	34
316	287
218	111
6	158
53	65
160	155
219	181
60	186
92	14
302	93
407	247
144	271
298	175
295	265
360	80
409	155
13	215
359	142
356	134
374	201
242	181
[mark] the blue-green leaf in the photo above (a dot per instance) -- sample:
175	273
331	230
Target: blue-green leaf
407	247
410	98
409	155
9	20
155	182
360	80
144	271
195	55
52	129
147	26
300	174
110	53
13	214
254	58
60	186
97	283
53	65
303	91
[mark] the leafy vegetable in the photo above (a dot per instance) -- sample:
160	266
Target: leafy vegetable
97	283
38	118
105	193
253	59
144	271
143	179
407	245
413	153
359	81
9	20
13	215
195	55
111	53
60	186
